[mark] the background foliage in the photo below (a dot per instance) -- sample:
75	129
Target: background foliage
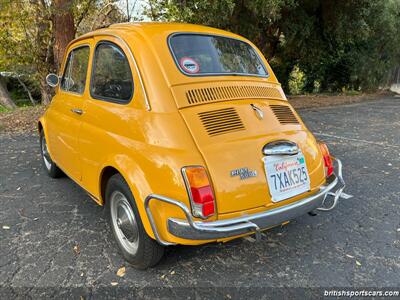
329	45
312	45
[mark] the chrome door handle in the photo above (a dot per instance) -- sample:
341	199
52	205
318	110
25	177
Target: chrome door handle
77	111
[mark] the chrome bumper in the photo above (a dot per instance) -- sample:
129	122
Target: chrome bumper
199	230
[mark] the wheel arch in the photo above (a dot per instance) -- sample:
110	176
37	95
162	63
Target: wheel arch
132	174
39	126
105	175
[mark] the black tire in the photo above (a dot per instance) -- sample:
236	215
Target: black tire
51	168
145	251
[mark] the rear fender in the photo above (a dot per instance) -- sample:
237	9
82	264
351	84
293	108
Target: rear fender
142	185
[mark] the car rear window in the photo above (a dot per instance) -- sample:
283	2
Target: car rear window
198	54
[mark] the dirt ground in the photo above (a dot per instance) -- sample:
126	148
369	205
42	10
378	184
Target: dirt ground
311	101
21	120
24	120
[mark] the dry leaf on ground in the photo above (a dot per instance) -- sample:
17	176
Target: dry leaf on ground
77	249
121	272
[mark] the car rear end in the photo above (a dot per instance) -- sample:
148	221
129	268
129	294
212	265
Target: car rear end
262	165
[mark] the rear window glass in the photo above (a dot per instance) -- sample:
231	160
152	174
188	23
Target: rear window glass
197	54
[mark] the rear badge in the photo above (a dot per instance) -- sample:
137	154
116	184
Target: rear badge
243	173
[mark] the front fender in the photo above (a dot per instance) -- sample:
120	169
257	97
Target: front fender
42	126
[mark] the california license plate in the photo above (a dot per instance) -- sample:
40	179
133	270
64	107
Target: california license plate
287	176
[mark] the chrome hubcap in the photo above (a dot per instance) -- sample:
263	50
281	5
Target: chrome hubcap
46	154
124	222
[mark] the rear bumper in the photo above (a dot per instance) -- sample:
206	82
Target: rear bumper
200	230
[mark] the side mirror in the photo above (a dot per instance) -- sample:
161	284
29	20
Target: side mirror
52	80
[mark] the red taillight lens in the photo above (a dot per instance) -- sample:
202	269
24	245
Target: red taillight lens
200	191
327	159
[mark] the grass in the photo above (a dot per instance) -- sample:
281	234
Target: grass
23	105
3	109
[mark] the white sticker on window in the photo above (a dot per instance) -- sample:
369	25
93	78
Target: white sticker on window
189	65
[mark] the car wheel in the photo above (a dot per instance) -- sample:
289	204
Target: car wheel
50	166
136	246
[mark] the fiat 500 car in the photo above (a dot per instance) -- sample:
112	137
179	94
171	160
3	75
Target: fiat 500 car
185	135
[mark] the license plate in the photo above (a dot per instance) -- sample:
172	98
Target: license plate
287	176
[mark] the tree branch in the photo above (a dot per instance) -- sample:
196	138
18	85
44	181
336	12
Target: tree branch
80	18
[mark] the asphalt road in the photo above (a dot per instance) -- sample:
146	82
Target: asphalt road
356	245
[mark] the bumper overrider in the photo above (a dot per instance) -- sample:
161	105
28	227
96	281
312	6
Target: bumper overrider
200	230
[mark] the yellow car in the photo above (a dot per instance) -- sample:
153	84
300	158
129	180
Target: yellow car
184	134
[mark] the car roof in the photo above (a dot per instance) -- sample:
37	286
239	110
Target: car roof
154	28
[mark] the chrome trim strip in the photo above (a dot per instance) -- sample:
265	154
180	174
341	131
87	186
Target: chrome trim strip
246	224
281	147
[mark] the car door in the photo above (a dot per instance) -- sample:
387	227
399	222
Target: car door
66	111
110	112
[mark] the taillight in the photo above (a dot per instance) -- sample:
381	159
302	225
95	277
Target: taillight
200	191
327	159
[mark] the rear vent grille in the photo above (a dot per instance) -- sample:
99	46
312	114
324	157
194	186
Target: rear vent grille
284	114
231	93
221	121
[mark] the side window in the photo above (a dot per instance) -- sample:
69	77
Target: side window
74	78
111	75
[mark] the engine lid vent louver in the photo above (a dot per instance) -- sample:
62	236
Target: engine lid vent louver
284	114
219	93
221	121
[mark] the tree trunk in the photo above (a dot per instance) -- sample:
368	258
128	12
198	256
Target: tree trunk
64	28
5	99
45	91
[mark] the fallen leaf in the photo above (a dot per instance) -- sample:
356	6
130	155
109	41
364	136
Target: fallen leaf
6	227
173	272
114	283
77	249
358	263
163	276
121	272
349	256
